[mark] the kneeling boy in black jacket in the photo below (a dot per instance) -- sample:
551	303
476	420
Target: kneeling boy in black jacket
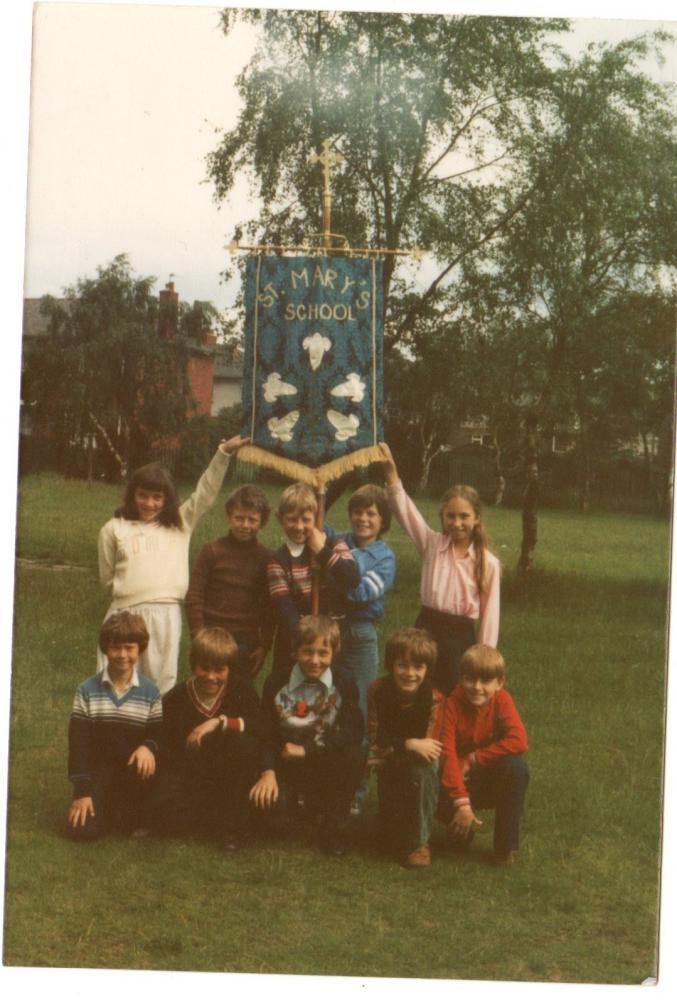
312	730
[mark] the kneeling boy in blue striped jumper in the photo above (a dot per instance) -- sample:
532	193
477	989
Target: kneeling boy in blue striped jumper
113	737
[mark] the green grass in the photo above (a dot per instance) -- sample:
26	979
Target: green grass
584	638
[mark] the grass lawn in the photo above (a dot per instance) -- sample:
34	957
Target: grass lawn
584	639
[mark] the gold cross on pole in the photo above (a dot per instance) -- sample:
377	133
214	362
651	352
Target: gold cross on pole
327	158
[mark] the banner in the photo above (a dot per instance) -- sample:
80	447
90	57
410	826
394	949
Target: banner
313	365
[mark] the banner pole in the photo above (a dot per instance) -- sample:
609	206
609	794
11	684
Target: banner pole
319	523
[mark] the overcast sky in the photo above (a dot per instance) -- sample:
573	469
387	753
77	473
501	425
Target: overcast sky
124	103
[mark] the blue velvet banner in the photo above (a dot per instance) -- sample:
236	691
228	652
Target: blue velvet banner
313	365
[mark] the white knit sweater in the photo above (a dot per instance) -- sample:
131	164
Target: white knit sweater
145	562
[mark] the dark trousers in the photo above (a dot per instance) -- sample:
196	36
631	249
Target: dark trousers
501	786
327	779
453	636
408	789
121	802
206	791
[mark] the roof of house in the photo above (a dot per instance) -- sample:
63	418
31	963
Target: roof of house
226	366
34	324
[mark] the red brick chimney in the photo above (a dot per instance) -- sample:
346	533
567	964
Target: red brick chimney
169	312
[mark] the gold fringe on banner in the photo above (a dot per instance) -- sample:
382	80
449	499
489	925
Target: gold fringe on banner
302	473
353	460
285	466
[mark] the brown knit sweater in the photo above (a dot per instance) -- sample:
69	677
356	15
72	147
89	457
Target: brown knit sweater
228	588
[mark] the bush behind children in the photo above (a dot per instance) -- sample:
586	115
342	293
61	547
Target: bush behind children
443	735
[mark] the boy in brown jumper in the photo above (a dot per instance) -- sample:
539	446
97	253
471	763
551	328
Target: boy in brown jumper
228	587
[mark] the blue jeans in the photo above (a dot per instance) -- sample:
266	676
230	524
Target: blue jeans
408	790
501	786
359	656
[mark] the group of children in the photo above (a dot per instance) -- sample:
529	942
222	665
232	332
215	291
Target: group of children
209	756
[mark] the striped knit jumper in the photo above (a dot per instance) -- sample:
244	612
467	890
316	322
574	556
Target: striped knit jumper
105	728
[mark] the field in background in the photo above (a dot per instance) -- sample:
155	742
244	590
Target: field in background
584	638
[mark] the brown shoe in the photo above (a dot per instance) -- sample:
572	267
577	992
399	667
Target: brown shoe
420	858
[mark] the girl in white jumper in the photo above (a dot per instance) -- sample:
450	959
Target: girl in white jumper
143	556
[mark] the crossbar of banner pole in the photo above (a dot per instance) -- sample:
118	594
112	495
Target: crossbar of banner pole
349	251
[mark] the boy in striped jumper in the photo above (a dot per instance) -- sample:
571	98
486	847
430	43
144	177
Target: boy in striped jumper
290	572
114	735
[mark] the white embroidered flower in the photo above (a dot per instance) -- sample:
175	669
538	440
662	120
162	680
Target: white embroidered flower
353	387
281	428
274	387
317	346
346	424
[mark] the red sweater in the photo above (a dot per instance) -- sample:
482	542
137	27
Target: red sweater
489	733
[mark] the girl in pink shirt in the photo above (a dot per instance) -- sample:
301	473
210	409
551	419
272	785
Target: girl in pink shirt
460	577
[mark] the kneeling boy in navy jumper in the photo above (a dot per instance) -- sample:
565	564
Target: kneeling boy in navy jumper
113	737
482	745
210	730
405	722
312	730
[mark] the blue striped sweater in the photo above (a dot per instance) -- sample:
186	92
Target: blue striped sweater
376	564
105	728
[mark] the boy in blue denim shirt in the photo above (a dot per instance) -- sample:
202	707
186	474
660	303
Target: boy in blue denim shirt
369	519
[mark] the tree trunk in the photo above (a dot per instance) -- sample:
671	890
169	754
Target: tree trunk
531	494
500	478
650	473
429	453
584	497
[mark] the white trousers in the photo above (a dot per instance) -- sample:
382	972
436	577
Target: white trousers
160	661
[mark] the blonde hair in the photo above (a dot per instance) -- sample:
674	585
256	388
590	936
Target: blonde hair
297	498
479	536
213	647
484	662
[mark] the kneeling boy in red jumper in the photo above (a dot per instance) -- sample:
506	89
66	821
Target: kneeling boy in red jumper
482	745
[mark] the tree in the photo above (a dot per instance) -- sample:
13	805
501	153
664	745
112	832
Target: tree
541	185
426	111
104	370
599	235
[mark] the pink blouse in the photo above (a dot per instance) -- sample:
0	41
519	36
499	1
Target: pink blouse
447	581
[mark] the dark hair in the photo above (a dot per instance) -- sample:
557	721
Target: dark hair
478	537
411	644
156	478
123	627
213	647
312	627
484	662
372	495
250	498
